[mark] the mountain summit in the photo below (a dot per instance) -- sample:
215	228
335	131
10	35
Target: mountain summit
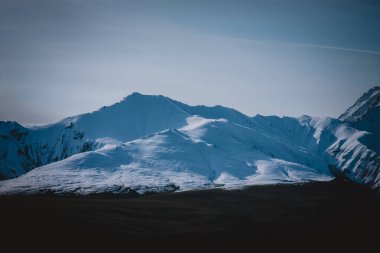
153	143
365	115
364	105
23	149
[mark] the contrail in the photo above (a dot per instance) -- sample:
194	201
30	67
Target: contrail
252	40
355	50
332	47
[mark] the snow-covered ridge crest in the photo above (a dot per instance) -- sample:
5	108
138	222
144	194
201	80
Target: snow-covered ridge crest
363	105
202	154
153	143
23	149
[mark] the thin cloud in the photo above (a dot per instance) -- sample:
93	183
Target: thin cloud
285	43
356	50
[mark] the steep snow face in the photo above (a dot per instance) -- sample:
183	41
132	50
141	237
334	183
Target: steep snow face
132	118
344	148
202	154
23	149
365	115
363	105
153	143
10	134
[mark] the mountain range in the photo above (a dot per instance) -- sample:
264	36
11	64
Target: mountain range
148	143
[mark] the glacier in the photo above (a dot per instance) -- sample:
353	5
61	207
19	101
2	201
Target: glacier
147	143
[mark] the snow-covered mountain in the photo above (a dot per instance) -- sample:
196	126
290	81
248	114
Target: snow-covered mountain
153	143
346	150
365	104
365	115
23	149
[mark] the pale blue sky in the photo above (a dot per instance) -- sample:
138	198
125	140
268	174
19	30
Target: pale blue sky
62	58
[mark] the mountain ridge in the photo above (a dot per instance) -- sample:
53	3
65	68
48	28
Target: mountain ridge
363	105
154	143
25	148
365	116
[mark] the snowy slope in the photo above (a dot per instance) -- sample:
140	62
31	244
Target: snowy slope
344	148
362	106
23	149
204	153
365	115
153	143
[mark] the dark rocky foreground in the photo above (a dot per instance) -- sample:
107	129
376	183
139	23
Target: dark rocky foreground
317	217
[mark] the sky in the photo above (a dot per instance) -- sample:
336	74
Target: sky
270	57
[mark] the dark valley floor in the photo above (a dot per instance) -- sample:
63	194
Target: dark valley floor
323	217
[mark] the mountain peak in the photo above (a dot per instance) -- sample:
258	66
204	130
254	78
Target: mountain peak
6	126
376	88
136	94
133	95
362	106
